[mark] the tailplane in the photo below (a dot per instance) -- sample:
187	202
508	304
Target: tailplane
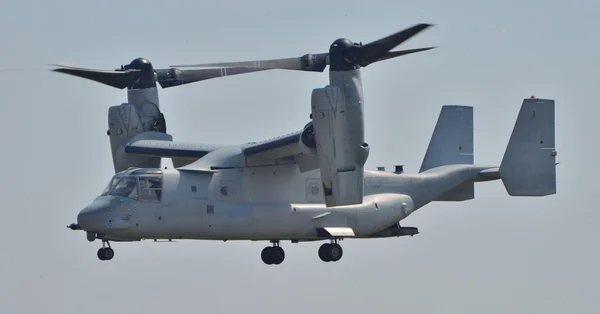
528	167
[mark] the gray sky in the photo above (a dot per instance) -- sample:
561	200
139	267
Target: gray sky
494	254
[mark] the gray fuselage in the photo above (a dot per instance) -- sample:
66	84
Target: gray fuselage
262	203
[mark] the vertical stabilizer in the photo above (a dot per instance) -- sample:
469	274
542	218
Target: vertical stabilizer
452	139
528	167
450	144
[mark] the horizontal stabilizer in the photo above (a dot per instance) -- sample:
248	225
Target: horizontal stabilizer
335	232
528	167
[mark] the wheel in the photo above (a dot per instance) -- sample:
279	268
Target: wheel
267	256
277	255
324	252
108	254
335	252
272	255
101	254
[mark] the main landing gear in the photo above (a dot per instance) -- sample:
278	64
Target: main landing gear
105	253
330	252
273	255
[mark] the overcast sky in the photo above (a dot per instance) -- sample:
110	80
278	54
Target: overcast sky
494	254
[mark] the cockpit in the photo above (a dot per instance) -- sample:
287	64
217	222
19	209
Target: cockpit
137	184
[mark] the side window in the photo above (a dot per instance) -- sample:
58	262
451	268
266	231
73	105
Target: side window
151	188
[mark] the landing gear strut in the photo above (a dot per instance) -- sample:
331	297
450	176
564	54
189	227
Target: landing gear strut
331	252
273	255
105	253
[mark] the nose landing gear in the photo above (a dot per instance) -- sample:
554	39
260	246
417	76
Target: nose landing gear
105	253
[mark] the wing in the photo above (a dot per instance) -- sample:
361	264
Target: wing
168	149
285	149
154	144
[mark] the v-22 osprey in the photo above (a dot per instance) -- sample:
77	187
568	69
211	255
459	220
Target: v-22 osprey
309	185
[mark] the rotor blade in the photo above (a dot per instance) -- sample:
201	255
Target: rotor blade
175	77
308	62
375	50
398	53
117	79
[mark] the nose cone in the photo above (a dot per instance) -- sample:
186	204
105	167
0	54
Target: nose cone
91	218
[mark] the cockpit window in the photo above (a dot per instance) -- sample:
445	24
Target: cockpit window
151	188
126	187
136	183
110	185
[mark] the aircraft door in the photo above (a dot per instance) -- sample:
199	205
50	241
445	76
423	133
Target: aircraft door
151	197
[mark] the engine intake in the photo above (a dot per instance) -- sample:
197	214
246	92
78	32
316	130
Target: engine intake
308	143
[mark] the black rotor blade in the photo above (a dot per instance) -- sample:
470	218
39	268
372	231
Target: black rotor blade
398	53
117	79
362	55
175	77
309	62
375	50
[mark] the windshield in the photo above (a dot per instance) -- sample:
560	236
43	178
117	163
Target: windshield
110	185
126	187
139	185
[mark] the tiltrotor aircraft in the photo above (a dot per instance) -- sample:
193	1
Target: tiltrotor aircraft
309	185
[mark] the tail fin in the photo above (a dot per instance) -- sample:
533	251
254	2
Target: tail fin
450	144
528	167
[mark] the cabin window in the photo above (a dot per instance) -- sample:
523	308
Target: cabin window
210	209
194	189
151	188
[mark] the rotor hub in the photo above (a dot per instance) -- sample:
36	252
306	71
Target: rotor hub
340	45
341	57
140	64
147	77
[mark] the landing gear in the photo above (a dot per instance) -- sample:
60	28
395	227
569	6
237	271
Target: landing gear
273	255
105	253
331	252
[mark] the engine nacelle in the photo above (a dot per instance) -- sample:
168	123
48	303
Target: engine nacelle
339	132
138	121
307	142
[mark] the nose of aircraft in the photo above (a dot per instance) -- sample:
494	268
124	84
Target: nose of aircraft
91	217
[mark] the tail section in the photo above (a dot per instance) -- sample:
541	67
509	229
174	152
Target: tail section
452	139
451	144
528	167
